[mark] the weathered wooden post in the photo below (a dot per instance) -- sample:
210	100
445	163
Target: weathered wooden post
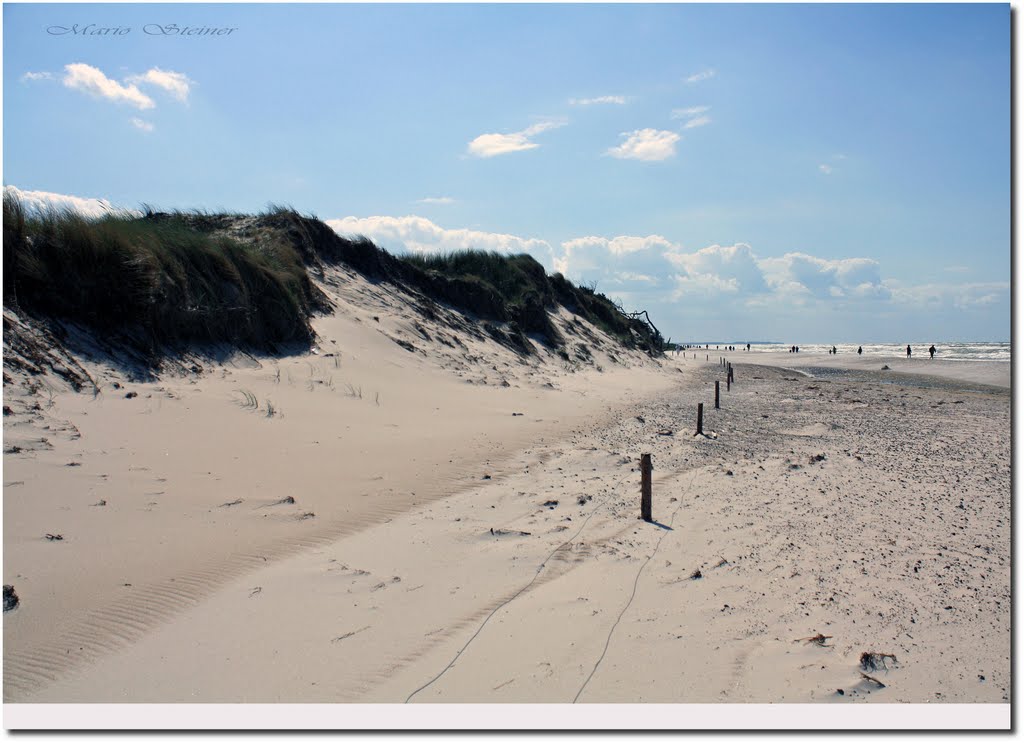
716	394
728	383
645	487
700	419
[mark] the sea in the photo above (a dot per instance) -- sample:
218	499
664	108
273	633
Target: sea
981	351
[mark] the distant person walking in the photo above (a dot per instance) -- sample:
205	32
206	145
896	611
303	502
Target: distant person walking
931	351
748	346
834	351
908	351
860	350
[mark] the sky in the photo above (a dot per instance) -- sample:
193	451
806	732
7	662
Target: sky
798	173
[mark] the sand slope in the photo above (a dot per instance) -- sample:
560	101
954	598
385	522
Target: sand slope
872	514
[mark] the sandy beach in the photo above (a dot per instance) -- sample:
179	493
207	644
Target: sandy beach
369	523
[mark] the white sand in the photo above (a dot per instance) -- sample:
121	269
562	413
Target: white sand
896	542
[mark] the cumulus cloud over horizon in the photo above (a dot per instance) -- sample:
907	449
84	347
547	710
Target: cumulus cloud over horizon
39	202
420	235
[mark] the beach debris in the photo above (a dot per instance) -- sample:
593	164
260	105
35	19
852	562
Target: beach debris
130	395
641	419
696	574
73	464
885	368
872	678
819	458
307	515
8	411
582	500
729	473
55	537
257	590
349	634
818	639
840	692
11	599
515	414
486	477
287	500
721	561
550	504
231	503
665	432
507	533
101	502
870	661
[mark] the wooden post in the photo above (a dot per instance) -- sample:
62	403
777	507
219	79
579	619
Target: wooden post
700	418
716	394
645	487
728	383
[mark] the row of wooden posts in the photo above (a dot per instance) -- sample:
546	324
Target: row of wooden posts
645	459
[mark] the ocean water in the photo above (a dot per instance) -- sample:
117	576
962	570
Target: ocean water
945	351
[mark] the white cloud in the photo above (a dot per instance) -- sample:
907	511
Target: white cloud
969	296
90	80
698	121
490	145
420	235
702	75
30	77
175	83
444	200
686	113
616	99
826	169
646	144
145	126
735	265
39	202
844	277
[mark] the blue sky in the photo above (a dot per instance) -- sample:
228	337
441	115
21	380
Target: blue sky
834	173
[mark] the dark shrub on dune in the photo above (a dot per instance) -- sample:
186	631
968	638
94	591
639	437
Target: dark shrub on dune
160	280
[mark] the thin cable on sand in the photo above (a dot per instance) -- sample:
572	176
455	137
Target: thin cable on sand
632	595
516	595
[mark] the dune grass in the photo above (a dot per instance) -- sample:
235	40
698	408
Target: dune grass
180	278
159	279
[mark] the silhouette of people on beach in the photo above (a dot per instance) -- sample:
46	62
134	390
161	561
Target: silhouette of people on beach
860	350
748	346
834	351
908	351
931	351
